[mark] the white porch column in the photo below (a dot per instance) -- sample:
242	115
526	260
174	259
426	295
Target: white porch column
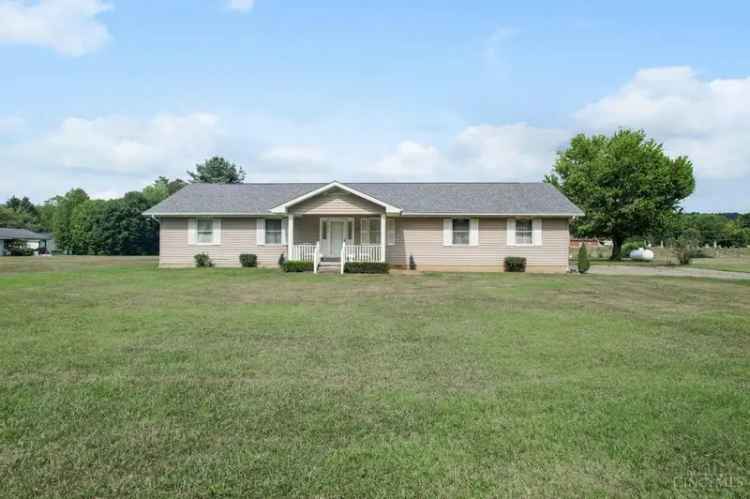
382	237
290	237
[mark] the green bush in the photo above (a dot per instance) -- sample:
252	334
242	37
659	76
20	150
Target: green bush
367	268
20	251
700	253
583	260
297	266
202	260
515	264
248	260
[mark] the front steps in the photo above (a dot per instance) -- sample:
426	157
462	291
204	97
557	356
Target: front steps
329	267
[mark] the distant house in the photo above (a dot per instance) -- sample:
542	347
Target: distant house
33	240
437	226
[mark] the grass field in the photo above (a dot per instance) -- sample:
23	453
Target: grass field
726	259
117	379
727	263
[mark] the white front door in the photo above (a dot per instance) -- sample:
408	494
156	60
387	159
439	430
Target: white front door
336	231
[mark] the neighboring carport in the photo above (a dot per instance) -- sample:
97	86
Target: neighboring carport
34	240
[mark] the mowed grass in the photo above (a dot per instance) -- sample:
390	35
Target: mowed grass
727	263
726	259
120	380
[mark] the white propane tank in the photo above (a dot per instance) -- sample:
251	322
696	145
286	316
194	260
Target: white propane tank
642	254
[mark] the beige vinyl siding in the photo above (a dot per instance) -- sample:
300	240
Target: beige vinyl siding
237	236
420	237
423	238
336	203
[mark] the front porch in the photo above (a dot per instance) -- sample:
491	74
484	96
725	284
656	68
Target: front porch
336	238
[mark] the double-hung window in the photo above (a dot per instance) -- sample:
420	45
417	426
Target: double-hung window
205	230
524	232
273	231
460	231
371	231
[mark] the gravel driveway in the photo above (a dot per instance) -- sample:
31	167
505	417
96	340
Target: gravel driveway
666	272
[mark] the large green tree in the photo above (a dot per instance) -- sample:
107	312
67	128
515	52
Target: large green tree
85	236
625	184
64	208
217	170
20	213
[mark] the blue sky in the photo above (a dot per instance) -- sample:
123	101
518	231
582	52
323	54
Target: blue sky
107	95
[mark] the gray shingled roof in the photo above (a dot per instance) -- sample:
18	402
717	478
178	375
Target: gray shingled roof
25	234
412	198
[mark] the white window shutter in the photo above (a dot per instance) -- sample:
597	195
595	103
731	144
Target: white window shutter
536	225
192	230
260	231
391	229
447	232
284	230
511	231
364	231
216	230
474	232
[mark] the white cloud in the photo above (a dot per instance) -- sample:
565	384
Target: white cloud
516	152
126	145
241	5
109	154
68	26
707	120
411	160
291	154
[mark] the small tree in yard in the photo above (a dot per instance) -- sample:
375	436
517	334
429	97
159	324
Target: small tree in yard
684	246
625	184
583	260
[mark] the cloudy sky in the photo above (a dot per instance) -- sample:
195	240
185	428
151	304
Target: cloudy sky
109	94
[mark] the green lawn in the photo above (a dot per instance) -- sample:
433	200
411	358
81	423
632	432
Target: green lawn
117	379
728	263
726	259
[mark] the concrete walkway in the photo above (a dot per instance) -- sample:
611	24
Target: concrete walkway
666	272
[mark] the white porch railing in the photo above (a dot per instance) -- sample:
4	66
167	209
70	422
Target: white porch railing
363	253
359	253
303	252
343	256
316	258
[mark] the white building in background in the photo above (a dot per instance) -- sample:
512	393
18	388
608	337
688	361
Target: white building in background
33	240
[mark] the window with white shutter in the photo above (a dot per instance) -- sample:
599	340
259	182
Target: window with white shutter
204	231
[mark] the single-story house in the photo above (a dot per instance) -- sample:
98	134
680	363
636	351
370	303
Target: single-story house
434	226
34	240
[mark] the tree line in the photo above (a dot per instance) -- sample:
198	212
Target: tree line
85	226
